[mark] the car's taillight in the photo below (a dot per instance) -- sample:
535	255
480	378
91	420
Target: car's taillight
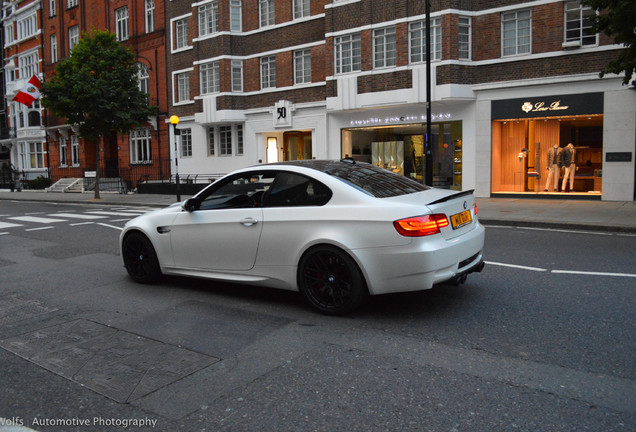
476	209
420	226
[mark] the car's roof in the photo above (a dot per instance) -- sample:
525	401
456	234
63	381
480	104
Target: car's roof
372	179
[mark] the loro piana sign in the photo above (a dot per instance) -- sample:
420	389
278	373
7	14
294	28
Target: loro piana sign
548	106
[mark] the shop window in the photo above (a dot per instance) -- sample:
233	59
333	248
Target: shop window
401	150
523	148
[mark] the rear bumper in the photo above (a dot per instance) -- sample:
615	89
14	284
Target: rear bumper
422	263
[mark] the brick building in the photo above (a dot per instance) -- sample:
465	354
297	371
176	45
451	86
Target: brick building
256	81
138	24
23	134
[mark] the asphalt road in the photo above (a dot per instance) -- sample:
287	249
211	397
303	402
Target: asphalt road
543	339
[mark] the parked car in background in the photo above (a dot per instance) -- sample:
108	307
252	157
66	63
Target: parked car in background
337	231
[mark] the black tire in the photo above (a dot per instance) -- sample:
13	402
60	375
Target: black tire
140	258
331	281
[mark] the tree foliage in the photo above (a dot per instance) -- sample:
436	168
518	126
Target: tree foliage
617	19
96	88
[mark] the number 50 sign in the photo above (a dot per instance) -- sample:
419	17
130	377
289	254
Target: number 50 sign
282	113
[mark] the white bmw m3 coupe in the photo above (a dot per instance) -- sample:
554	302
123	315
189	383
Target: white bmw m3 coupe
337	231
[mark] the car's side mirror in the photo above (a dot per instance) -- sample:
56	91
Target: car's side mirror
191	204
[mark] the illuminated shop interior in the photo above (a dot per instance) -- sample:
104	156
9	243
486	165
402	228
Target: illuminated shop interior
400	148
520	153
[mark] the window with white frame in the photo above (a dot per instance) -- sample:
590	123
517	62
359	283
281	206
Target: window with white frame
235	15
63	153
28	65
515	31
52	10
9	36
302	66
54	54
209	77
75	154
384	47
140	146
301	8
417	40
31	155
121	23
237	75
579	20
266	12
211	141
27	27
208	18
186	142
348	53
181	33
73	37
71	3
150	16
183	87
225	140
229	138
464	38
143	77
268	72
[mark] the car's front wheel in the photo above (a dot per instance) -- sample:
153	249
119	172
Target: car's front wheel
331	281
140	258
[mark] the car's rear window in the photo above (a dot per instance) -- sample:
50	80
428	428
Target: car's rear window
374	180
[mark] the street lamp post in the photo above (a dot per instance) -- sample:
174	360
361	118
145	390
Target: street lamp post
174	120
428	175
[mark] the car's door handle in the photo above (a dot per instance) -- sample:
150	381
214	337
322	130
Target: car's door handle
248	221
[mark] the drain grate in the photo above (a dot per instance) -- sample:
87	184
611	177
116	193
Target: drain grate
115	363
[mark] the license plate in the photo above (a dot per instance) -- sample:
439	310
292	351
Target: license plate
461	219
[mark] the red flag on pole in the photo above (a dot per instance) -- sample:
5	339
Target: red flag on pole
29	93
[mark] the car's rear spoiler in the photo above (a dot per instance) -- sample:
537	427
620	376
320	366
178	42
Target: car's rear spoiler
453	196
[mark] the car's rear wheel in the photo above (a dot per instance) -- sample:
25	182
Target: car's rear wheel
331	281
140	258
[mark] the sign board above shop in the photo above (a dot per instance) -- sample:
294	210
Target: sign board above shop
548	106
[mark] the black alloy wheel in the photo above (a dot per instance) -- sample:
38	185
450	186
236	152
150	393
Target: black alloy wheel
140	258
330	280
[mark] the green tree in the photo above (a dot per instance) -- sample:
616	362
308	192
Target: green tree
617	19
97	91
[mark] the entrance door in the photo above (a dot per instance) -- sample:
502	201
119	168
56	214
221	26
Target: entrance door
296	145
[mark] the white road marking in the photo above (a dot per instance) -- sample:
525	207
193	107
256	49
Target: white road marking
110	226
39	229
567	231
575	272
4	225
78	216
594	273
81	223
516	266
4	233
36	219
110	213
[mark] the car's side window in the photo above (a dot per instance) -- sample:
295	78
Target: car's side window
294	190
239	191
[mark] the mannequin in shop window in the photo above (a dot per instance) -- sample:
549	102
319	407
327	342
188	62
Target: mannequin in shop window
554	167
569	162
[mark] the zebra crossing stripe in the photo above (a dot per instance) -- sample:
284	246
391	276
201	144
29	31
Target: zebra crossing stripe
4	225
36	219
78	216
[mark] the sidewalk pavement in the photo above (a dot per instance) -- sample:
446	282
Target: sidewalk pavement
553	213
